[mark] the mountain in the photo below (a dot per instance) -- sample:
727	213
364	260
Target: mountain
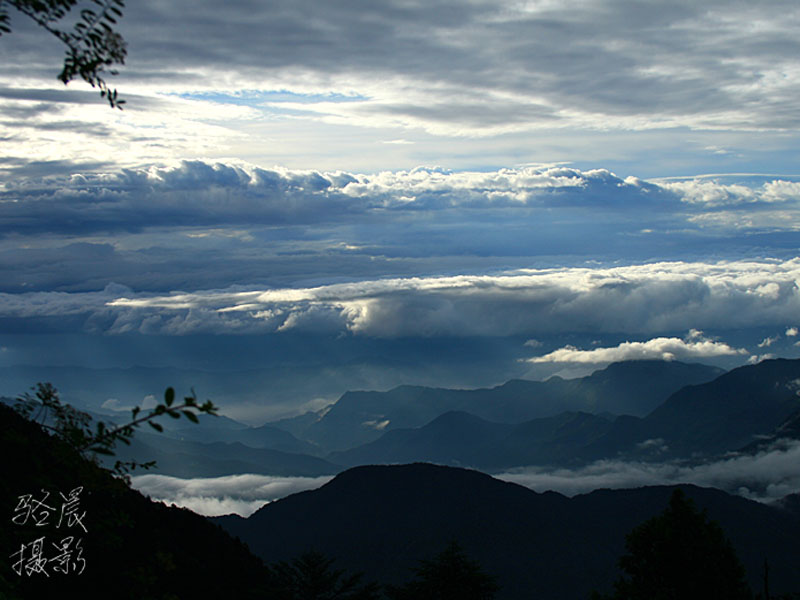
719	416
461	439
132	548
786	432
740	407
383	519
181	458
265	436
636	387
456	438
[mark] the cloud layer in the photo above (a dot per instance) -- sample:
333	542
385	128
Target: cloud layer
471	67
240	494
766	476
226	195
661	348
299	82
637	299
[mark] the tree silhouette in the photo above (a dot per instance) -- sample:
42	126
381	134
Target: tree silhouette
310	576
75	427
92	44
450	575
680	554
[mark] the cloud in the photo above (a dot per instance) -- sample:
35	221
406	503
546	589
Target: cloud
655	349
768	341
219	195
757	358
115	404
231	198
766	476
241	494
447	66
791	332
201	82
639	300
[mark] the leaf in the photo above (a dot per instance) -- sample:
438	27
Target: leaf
191	416
169	396
156	426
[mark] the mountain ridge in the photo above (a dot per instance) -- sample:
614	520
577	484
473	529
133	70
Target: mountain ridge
360	417
382	519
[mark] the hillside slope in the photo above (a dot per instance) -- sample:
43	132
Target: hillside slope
382	519
132	547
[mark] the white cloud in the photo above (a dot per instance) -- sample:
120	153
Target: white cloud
768	475
655	349
115	405
642	300
757	358
241	494
768	341
711	193
791	332
220	198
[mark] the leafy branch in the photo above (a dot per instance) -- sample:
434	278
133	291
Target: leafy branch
74	426
92	44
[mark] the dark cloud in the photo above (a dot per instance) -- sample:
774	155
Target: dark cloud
481	65
19	168
49	99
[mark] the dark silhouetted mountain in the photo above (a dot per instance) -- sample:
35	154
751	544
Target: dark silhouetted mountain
636	387
460	439
361	417
790	504
785	433
133	548
265	436
723	415
194	459
455	438
701	420
383	519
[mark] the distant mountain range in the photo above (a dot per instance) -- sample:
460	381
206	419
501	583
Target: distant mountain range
449	426
188	459
383	519
633	387
704	420
459	438
673	411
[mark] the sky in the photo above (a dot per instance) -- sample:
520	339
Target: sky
448	193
